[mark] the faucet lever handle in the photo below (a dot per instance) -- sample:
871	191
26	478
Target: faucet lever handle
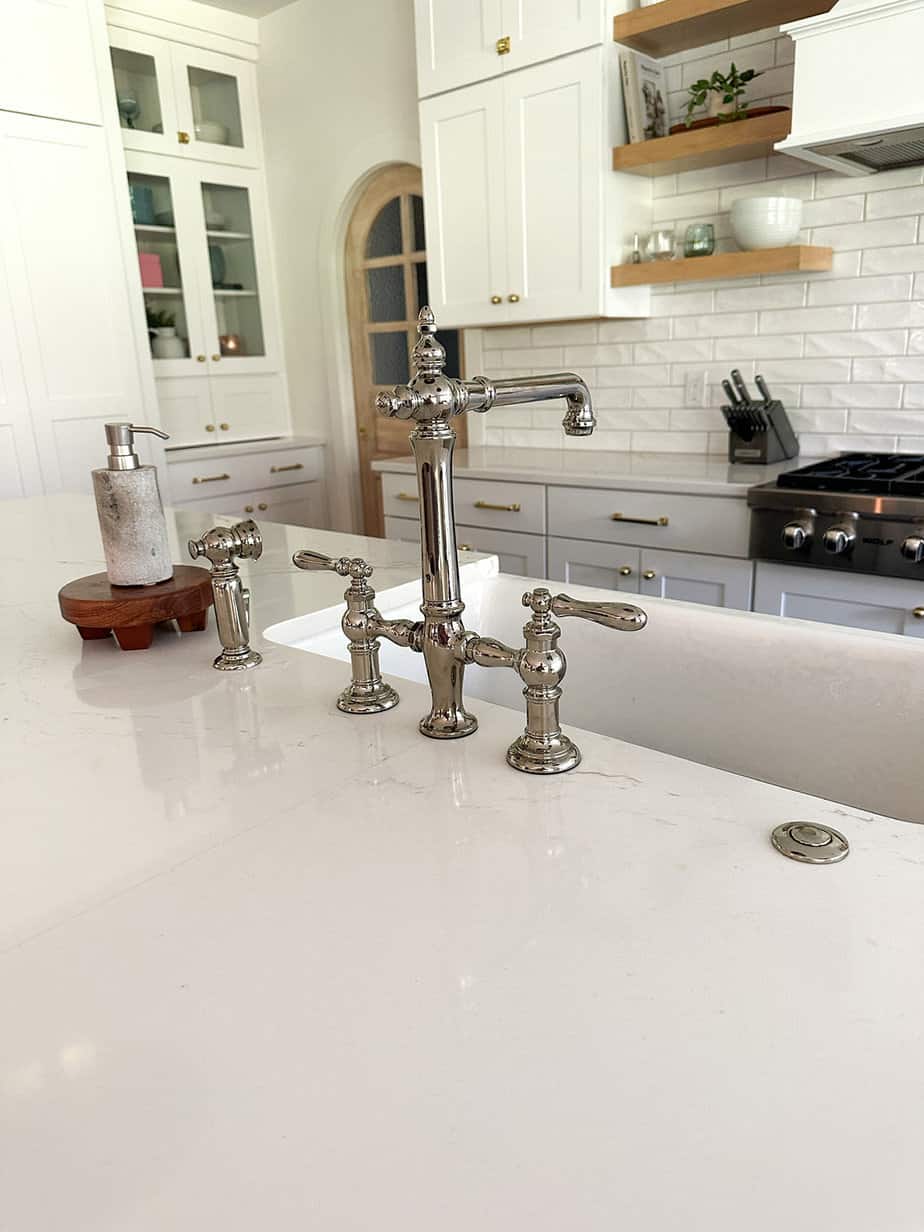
624	617
355	568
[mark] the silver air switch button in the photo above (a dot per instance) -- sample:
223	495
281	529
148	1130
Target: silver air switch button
810	844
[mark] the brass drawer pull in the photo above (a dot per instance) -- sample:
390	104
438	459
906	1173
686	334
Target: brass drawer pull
211	478
466	547
496	299
502	46
918	613
649	575
407	496
182	138
621	517
625	571
295	466
514	508
263	505
248	508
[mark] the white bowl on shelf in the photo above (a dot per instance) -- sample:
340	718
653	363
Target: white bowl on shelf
766	222
210	130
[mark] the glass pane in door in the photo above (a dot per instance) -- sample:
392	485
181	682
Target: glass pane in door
389	358
159	261
233	268
137	95
387	301
216	107
385	233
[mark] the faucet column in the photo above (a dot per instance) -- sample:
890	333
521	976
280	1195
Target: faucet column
443	631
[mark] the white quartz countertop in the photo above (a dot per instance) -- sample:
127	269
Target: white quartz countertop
266	966
698	474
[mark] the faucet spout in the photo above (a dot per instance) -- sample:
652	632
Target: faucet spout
579	418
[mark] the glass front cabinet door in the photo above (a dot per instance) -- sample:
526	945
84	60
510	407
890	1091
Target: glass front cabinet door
184	101
203	252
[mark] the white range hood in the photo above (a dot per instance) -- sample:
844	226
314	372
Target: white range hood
858	102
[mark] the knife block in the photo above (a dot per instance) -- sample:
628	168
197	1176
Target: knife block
760	433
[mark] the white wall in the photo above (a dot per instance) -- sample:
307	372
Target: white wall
338	97
845	349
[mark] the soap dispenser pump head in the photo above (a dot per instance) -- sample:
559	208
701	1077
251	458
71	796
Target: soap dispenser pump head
120	438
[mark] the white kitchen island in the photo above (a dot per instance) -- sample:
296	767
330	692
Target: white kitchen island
268	966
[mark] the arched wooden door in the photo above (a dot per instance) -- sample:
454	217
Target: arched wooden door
386	264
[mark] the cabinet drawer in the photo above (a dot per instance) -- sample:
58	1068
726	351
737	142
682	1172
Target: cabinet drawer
711	524
399	497
522	555
494	504
195	478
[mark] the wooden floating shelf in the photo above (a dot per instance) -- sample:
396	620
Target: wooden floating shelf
676	25
734	142
794	259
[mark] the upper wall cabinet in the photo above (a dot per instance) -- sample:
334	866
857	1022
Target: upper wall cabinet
66	278
185	101
522	209
463	41
47	65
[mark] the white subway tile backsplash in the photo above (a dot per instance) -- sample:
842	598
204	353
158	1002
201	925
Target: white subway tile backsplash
718	325
860	290
843	349
891	316
889	231
807	320
682	351
767	346
893	260
906	368
858	342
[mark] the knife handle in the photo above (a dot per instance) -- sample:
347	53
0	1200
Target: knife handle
738	382
762	386
730	394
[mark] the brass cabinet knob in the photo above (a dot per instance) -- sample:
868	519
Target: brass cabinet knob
216	358
466	547
502	46
200	359
649	575
248	508
496	299
210	427
363	431
182	138
263	505
918	613
224	427
625	571
513	299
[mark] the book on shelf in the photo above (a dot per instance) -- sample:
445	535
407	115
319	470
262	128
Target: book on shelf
644	91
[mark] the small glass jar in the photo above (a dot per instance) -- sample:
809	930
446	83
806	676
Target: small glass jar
660	245
699	240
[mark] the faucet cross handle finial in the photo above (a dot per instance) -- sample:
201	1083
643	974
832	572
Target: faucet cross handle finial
429	354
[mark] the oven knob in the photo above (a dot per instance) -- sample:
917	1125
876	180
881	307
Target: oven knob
913	548
839	539
796	535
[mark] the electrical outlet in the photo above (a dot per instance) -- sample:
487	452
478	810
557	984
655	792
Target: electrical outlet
694	389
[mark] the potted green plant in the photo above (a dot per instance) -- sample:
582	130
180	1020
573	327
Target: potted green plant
162	331
722	94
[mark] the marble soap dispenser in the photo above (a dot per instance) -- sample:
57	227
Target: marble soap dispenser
131	516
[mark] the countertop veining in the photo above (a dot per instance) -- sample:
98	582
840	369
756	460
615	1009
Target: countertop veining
269	966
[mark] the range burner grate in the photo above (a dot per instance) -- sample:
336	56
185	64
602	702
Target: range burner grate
879	474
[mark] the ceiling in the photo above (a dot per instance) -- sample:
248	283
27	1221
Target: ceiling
249	8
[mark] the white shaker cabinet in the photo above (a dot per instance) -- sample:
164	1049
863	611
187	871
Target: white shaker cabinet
886	605
183	100
19	470
524	215
462	146
689	576
463	41
47	65
693	578
65	271
456	42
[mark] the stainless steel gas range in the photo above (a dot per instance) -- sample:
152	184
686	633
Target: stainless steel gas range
857	513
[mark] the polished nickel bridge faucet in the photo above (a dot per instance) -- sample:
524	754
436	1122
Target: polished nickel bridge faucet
432	400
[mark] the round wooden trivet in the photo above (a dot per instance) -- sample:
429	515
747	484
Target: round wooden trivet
98	608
